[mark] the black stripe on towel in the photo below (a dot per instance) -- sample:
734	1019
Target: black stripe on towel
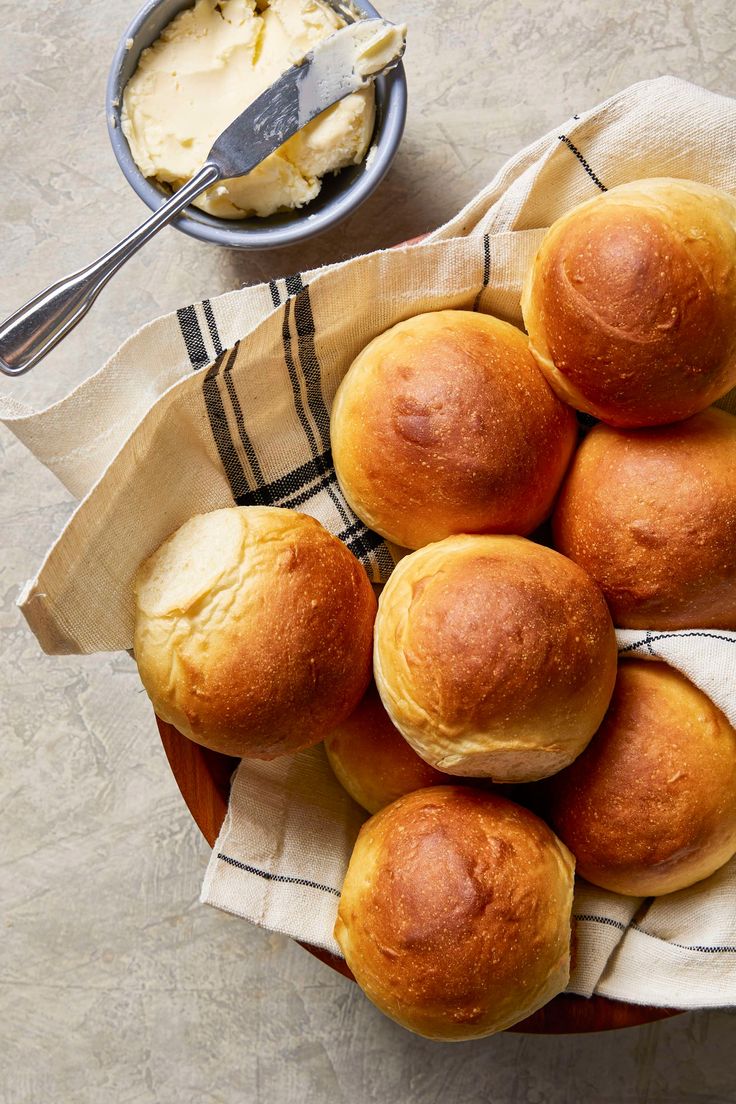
310	371
212	327
295	287
262	494
574	149
651	637
601	920
686	946
220	428
486	269
248	449
363	542
295	384
277	877
192	334
294	284
305	331
300	485
289	490
637	927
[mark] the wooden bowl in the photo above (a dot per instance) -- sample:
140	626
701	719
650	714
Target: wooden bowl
204	780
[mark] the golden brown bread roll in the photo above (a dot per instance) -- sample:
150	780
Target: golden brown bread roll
494	656
443	425
455	912
253	630
650	514
372	760
630	304
650	805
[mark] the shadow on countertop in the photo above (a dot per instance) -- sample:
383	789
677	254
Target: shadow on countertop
394	213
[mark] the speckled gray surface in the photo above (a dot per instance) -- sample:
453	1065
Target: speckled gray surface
115	984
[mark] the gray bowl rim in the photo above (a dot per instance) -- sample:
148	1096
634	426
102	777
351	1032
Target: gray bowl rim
391	96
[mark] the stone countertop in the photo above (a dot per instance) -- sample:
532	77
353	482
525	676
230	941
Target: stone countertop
115	984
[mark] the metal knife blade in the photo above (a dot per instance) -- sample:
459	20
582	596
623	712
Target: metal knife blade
343	63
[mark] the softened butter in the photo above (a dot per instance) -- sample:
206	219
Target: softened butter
209	63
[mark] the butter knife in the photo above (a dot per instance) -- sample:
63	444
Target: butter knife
343	63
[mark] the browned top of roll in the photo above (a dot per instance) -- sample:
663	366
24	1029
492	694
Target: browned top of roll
502	613
631	302
495	656
651	516
455	912
444	424
650	805
254	630
372	760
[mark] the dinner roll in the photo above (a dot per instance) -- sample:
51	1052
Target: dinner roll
253	630
650	805
630	304
651	515
443	425
494	656
455	912
372	760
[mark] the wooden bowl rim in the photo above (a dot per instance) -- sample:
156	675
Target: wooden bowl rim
203	778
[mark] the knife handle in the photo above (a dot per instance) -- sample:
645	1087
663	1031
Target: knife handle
38	326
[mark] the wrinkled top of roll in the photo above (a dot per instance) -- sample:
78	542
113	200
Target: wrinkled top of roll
494	656
444	424
455	912
650	805
650	514
630	304
253	630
